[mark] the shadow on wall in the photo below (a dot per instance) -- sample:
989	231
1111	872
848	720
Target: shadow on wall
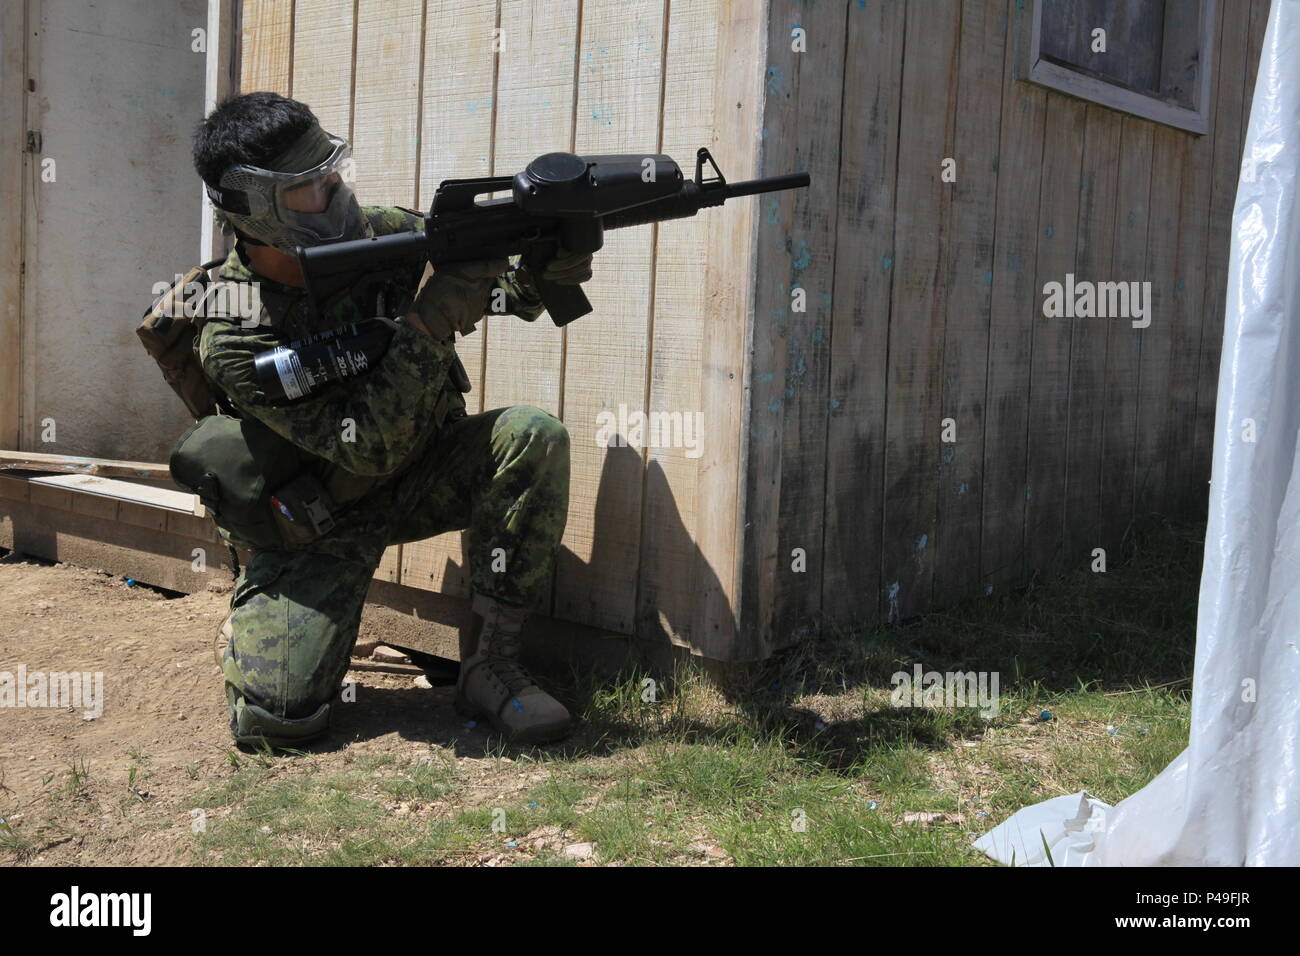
667	616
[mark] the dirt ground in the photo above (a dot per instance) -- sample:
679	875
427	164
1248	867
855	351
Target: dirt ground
69	779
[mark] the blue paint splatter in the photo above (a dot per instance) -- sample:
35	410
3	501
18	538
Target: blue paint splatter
816	335
921	542
836	403
988	277
774	405
764	377
886	263
774	81
1048	232
948	454
962	488
802	256
773	212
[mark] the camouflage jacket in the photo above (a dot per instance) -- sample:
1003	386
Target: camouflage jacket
360	432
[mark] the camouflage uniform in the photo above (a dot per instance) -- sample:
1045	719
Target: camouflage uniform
502	475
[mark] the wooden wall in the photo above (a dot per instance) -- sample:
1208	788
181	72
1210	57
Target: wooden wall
424	94
925	303
923	297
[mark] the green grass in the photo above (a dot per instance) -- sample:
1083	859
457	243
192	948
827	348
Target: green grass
802	760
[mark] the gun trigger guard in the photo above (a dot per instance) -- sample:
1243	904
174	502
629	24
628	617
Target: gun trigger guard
702	155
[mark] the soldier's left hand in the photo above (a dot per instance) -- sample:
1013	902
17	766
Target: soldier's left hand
568	268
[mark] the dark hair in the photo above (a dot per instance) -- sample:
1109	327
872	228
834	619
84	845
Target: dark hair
250	128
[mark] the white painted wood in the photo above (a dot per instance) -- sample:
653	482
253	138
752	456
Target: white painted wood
220	78
117	88
119	490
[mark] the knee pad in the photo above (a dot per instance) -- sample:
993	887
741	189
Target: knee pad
252	724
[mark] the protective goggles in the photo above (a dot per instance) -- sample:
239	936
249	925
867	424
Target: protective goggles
302	208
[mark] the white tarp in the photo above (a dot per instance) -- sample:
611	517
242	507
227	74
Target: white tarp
1233	796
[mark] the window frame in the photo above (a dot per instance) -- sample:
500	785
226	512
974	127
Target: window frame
1054	76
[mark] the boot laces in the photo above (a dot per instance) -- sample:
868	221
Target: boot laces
502	656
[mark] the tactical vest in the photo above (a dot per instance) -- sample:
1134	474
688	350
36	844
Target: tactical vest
263	491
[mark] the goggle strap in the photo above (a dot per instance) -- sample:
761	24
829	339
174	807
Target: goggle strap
229	200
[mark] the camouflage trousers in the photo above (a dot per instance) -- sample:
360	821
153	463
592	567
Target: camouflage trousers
501	476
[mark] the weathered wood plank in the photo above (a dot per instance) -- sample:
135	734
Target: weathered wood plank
864	243
1092	263
130	512
984	54
618	111
456	138
1015	306
790	350
1049	373
535	115
1155	435
164	498
104	467
385	125
1259	11
732	234
913	444
673	571
1188	301
13	132
323	35
152	555
1225	167
266	46
1124	343
13	489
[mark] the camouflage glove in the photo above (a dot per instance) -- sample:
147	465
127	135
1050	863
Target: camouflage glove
455	297
568	268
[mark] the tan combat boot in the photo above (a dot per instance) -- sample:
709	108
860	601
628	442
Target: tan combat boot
493	685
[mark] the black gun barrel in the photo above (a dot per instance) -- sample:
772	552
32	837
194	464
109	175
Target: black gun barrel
357	255
752	187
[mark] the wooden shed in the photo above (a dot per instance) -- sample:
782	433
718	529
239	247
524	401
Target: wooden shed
861	409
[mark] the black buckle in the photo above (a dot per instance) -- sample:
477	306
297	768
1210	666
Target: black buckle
208	489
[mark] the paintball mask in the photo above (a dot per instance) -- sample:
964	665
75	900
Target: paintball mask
303	198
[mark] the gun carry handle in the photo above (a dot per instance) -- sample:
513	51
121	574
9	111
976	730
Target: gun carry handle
564	303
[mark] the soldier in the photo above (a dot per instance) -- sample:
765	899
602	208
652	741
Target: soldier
392	451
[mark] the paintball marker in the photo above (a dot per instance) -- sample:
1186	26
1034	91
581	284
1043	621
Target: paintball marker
559	200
